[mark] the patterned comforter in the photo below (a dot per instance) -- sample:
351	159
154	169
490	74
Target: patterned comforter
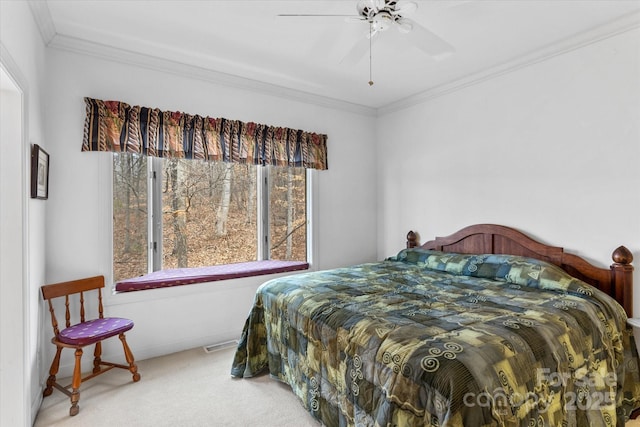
432	339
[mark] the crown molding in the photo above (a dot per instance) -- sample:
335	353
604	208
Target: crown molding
84	47
621	25
42	16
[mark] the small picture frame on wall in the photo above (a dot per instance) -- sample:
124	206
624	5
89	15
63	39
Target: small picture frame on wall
39	173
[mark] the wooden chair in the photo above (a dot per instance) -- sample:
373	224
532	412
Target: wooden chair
82	334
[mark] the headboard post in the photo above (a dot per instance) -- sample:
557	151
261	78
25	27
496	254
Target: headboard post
622	277
412	239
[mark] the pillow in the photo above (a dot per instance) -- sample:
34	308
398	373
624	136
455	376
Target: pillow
518	270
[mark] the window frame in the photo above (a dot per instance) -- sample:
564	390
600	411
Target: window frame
263	224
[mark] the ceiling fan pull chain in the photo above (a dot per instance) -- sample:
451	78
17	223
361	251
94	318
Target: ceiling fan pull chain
370	66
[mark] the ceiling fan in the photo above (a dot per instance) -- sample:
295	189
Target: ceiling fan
384	14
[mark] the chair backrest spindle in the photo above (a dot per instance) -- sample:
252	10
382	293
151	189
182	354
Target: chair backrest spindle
82	306
67	314
100	309
54	321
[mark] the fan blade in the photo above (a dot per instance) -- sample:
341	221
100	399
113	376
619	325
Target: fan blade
313	15
359	50
366	4
404	26
353	18
404	7
360	7
427	41
372	34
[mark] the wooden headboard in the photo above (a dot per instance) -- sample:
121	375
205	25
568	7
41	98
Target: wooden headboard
616	281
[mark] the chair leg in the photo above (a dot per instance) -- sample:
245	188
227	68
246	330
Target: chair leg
96	357
129	356
75	384
53	371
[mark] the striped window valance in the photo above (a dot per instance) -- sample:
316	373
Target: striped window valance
117	126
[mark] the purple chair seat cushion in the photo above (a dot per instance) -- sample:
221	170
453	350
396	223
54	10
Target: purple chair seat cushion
93	331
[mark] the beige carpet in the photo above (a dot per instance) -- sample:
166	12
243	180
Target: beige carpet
190	388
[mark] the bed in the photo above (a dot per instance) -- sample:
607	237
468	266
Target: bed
484	327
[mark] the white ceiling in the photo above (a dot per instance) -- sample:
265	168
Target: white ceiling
248	39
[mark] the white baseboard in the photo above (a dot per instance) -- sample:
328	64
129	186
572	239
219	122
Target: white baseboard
35	404
162	349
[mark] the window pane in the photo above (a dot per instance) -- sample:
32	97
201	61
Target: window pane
129	215
288	214
208	213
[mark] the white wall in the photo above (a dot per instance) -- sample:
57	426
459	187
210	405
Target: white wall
79	210
22	54
11	256
551	149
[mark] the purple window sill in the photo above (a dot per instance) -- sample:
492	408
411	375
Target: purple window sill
189	276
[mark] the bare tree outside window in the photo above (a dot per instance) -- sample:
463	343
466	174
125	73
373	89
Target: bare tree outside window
288	214
129	215
205	215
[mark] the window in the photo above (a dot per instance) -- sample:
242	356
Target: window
180	213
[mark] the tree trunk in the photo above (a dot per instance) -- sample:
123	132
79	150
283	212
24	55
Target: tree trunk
223	207
179	213
290	212
251	197
127	172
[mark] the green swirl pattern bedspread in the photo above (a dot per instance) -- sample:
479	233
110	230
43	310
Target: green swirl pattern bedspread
432	339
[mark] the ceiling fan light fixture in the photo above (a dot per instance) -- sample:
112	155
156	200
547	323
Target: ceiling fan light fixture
381	21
